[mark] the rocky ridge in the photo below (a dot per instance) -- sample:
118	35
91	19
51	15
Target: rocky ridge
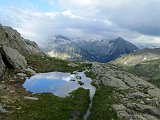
138	99
92	50
139	56
11	38
14	48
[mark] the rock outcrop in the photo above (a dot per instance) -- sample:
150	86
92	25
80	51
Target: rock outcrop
12	58
138	99
11	38
14	48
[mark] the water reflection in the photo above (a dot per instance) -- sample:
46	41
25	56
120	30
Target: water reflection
58	83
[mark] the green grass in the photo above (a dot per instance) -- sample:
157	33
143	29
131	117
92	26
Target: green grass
90	74
48	64
102	105
51	107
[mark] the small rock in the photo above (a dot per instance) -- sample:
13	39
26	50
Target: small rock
11	80
29	71
72	65
2	86
30	98
123	115
2	109
119	107
150	117
19	108
142	102
78	77
138	117
81	83
21	75
125	99
137	95
72	80
144	108
154	92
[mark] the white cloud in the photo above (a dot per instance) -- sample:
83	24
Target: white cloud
137	21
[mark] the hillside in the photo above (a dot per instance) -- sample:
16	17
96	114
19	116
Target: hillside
143	63
139	56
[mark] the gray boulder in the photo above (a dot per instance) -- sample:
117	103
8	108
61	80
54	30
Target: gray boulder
12	58
144	108
114	82
29	71
155	92
21	75
137	95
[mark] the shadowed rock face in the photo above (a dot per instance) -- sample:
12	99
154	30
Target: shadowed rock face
12	58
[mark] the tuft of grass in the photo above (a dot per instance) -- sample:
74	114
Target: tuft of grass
90	74
102	105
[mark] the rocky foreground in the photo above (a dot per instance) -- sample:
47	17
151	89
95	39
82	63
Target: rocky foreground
138	99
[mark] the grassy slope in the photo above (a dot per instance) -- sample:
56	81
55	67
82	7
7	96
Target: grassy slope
102	105
48	64
50	107
102	102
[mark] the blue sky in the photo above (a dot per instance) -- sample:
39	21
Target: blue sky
135	20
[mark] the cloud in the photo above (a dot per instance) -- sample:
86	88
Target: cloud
39	26
134	20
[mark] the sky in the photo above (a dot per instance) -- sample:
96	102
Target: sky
137	21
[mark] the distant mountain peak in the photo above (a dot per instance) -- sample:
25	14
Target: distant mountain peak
119	38
61	37
103	50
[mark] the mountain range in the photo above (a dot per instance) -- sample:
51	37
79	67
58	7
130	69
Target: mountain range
88	50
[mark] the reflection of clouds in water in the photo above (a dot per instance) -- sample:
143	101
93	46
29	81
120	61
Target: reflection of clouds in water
58	83
53	76
66	88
